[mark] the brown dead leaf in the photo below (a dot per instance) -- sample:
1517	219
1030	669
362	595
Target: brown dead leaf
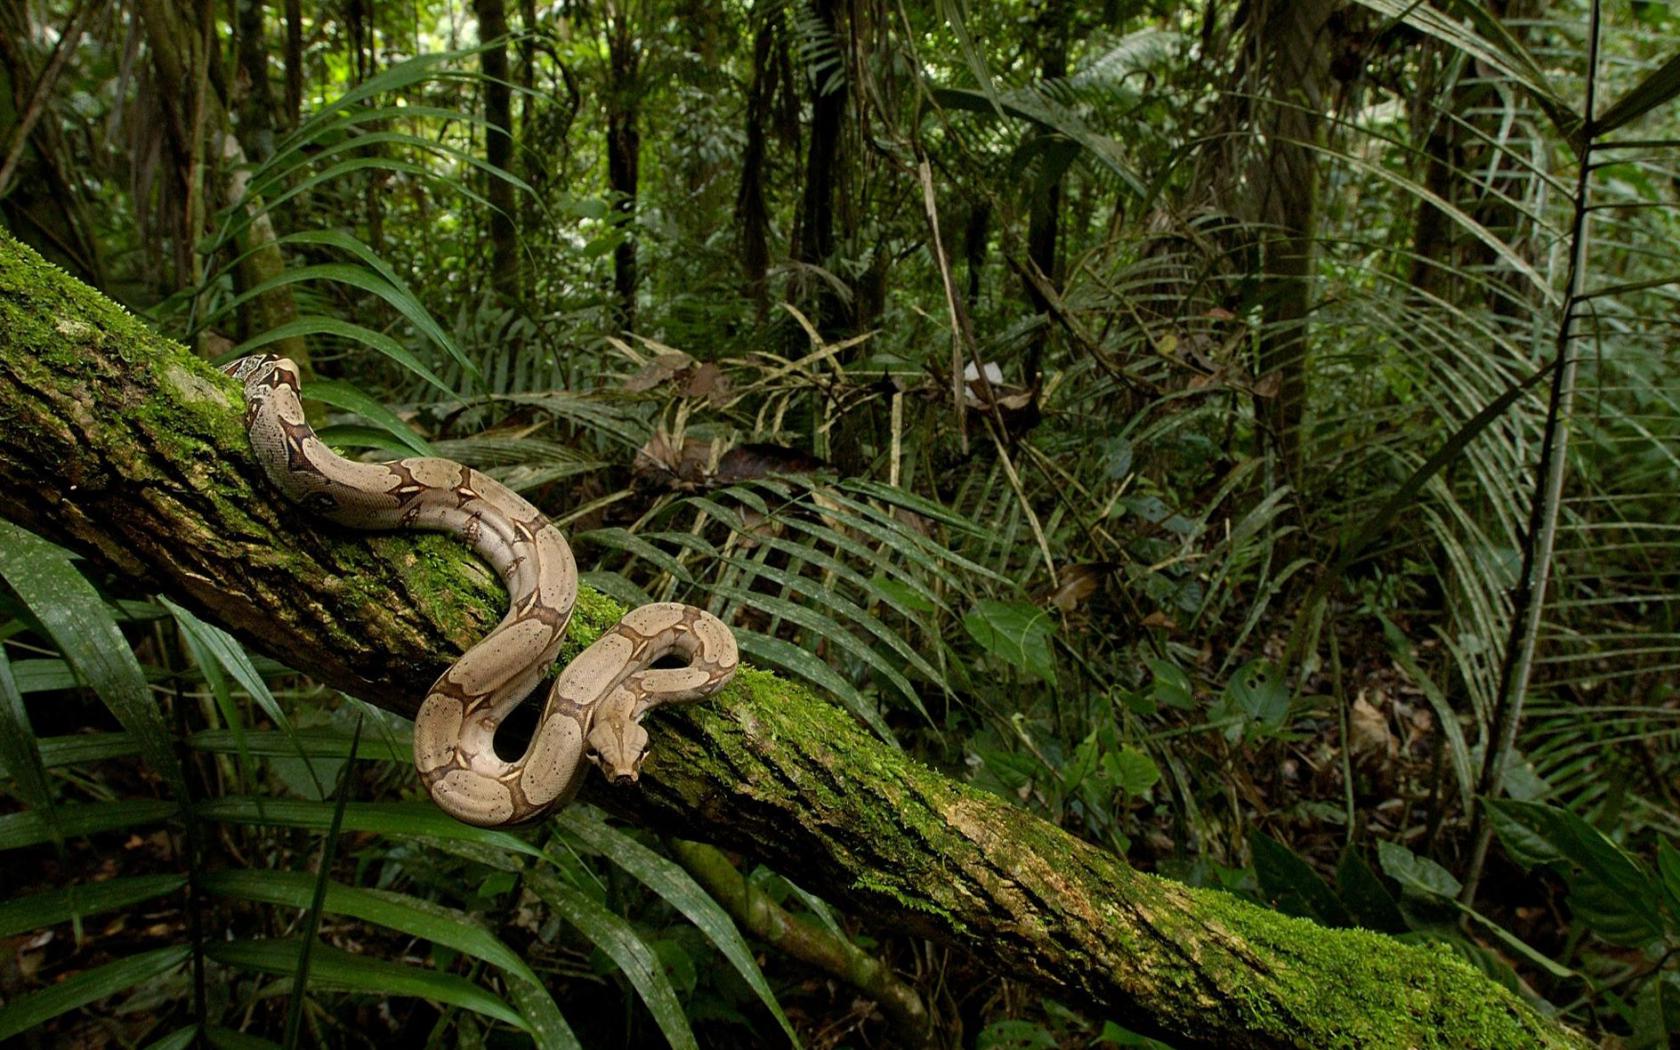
1160	620
1368	732
661	461
709	382
758	460
658	370
1078	583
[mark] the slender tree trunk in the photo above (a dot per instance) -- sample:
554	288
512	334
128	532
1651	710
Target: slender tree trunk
256	102
294	61
1290	44
37	197
814	237
975	232
169	35
624	152
498	147
752	216
151	478
1055	26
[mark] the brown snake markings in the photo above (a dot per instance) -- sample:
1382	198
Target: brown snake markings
595	706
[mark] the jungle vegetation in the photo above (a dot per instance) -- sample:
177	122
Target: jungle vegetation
1231	442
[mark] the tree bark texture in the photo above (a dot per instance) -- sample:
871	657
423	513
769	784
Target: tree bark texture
256	100
498	147
121	445
1291	49
752	216
815	243
169	32
624	153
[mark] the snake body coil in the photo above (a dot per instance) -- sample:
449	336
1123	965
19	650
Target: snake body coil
595	706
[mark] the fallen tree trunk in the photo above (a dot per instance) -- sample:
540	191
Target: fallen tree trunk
121	445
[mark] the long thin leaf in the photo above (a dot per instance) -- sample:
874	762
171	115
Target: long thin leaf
80	624
335	969
72	902
678	889
27	1011
618	940
397	911
28	829
316	325
399	820
20	753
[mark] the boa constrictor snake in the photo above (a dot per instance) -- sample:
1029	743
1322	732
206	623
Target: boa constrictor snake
594	709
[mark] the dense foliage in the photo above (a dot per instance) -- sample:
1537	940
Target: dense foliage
1243	434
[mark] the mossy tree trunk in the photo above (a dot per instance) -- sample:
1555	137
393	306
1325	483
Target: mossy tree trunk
123	446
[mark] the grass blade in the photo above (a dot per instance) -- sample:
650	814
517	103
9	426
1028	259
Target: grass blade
80	624
75	902
27	1011
28	829
338	970
678	889
618	939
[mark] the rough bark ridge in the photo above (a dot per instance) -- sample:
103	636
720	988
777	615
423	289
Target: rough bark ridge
121	445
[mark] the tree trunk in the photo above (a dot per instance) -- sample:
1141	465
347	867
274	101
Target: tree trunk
624	153
1292	51
294	61
150	476
1044	212
498	147
256	102
752	215
814	239
167	32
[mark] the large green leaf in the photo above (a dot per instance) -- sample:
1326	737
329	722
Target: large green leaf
1018	633
1609	890
339	970
79	901
80	624
1290	885
89	986
677	888
618	940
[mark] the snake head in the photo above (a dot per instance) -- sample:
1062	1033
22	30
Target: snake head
619	748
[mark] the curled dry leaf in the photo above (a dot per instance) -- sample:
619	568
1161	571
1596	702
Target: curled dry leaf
707	381
657	371
691	378
1161	621
1078	583
758	460
1368	732
661	461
